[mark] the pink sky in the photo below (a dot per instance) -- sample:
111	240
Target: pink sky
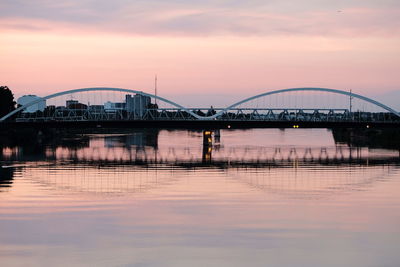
205	47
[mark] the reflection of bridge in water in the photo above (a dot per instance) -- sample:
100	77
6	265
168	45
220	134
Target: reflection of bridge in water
296	172
298	181
139	161
213	155
295	180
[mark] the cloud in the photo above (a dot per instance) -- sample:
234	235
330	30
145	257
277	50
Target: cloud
22	25
198	18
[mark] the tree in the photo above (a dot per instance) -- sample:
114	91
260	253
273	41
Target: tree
7	103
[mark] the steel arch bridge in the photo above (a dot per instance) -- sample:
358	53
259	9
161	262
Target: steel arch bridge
233	112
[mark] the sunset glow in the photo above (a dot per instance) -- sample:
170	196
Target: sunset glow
200	133
201	47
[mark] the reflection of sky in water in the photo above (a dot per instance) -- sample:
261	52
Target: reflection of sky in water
291	213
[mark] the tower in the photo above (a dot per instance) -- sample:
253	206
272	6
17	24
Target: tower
155	89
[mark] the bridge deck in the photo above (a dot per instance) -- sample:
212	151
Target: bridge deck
197	124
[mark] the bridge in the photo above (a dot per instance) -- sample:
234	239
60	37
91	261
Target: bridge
119	107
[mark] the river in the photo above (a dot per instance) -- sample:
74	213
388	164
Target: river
260	197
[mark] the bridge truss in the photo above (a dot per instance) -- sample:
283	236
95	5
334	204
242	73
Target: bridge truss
293	105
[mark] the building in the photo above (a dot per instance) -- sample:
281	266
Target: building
96	109
23	100
78	106
114	106
74	104
71	103
137	104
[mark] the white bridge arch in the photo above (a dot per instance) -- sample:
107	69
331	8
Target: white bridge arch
93	89
315	89
211	117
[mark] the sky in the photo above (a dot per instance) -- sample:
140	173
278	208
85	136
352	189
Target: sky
201	50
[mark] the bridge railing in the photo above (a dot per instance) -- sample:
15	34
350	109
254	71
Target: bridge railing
234	114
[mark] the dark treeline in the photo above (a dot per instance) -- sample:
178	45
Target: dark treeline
7	103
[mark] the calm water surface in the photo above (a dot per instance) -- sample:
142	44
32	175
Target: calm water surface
262	197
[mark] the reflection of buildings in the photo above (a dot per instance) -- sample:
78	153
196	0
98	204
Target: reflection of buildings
143	145
138	138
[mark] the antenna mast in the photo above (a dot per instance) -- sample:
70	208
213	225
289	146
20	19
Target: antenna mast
155	89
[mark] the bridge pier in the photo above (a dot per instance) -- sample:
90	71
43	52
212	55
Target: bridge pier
207	138
207	146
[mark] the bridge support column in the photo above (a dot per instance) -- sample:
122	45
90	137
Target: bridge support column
207	146
207	138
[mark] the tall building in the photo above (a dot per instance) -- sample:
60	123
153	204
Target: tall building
137	104
114	106
23	100
74	104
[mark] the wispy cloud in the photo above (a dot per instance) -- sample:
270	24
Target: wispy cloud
156	17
